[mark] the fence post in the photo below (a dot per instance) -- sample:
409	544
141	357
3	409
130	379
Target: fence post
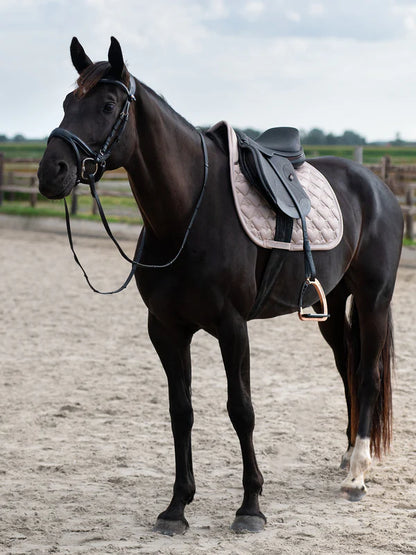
1	177
409	215
358	154
385	167
34	195
74	202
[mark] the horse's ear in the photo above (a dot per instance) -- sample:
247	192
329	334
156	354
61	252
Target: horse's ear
78	56
115	57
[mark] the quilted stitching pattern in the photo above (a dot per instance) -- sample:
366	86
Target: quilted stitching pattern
324	222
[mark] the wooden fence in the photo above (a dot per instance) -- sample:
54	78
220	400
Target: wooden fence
400	178
19	180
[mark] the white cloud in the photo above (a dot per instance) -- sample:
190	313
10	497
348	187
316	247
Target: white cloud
293	16
316	9
338	65
252	10
364	20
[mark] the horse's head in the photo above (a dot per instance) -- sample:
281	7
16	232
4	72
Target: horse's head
95	133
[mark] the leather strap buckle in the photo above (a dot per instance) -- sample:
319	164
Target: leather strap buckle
87	164
313	317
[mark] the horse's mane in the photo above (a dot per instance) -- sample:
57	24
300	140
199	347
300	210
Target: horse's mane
164	104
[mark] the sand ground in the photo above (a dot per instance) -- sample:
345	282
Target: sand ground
86	458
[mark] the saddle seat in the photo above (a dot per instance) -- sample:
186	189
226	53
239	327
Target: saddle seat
283	141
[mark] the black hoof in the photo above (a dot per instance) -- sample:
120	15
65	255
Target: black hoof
170	527
353	494
248	523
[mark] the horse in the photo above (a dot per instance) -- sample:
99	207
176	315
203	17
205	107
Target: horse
199	270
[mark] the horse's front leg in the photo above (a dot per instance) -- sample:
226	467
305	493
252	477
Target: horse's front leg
173	348
233	339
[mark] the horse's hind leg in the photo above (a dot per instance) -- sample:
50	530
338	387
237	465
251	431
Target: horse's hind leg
173	348
363	349
369	371
370	387
233	339
334	332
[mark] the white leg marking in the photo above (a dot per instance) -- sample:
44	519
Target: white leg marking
360	462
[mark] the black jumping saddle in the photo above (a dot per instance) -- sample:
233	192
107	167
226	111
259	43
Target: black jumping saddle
268	163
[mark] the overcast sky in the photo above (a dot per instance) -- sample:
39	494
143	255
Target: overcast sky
331	64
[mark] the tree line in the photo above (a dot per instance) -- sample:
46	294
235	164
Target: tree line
314	136
317	137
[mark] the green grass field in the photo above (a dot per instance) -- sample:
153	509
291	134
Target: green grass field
121	210
25	149
371	154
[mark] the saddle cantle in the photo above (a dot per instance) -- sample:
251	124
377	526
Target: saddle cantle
268	163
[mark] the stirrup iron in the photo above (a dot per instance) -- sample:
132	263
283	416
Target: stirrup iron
313	317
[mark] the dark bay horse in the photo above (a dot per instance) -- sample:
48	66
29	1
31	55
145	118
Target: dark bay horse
212	284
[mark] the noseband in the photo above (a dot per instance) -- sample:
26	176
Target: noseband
94	163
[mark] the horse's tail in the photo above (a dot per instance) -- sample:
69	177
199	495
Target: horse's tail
381	428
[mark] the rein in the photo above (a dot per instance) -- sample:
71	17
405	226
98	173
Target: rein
97	162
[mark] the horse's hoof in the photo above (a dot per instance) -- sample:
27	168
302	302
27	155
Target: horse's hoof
170	527
248	523
353	494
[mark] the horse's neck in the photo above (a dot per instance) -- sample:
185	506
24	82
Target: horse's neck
166	170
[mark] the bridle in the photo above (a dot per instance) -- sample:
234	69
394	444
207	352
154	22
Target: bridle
95	162
90	170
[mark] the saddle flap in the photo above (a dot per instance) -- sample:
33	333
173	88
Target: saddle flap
273	176
298	197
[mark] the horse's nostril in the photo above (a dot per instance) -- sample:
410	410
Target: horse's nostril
62	168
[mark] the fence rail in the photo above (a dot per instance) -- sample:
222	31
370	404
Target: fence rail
18	180
400	178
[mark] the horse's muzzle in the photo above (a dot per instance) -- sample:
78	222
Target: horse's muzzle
56	177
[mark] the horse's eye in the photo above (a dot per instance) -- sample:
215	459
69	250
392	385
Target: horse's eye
109	107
